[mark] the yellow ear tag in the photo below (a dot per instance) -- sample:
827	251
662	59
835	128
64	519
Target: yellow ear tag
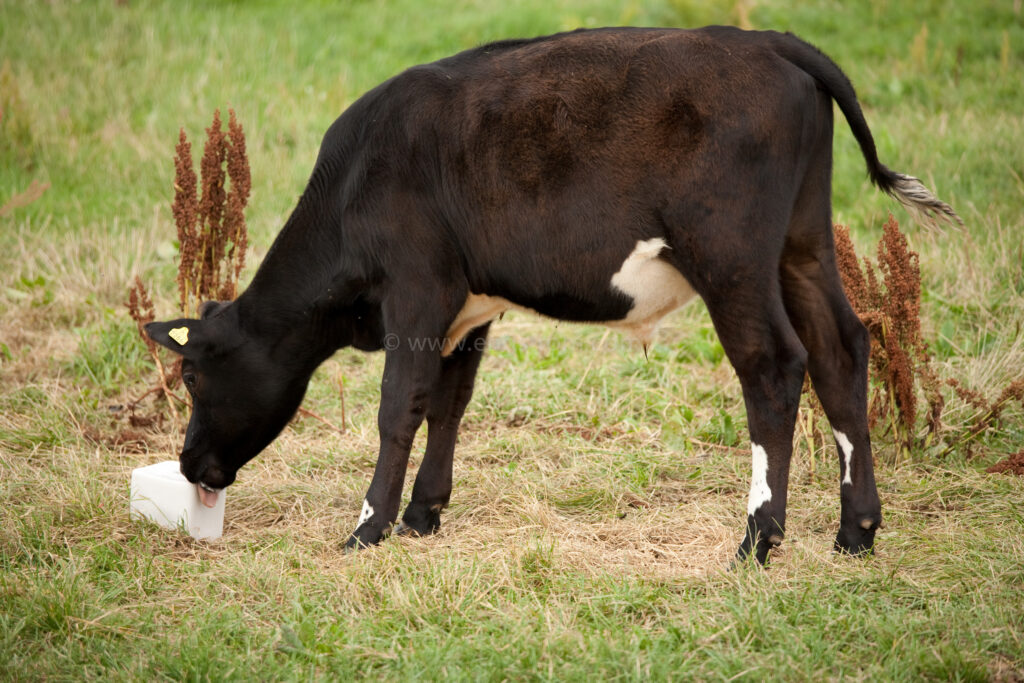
179	334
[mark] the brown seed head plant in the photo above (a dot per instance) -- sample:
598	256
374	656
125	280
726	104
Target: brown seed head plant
888	301
212	235
211	225
887	298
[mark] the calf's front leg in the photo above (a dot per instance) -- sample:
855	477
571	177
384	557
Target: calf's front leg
409	376
433	487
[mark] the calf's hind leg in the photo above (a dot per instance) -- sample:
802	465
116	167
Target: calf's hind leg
446	405
762	346
837	344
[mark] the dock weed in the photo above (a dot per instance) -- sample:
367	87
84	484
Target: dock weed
212	233
887	298
209	214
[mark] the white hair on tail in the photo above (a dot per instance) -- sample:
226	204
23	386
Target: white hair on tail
919	200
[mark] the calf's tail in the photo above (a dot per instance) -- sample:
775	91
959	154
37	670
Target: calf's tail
906	189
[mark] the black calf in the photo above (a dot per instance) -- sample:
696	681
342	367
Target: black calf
605	176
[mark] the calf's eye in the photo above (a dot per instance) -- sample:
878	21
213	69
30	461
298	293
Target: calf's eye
189	379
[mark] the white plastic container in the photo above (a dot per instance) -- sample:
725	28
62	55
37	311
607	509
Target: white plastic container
161	493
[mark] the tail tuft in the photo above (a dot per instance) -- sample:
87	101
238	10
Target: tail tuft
918	199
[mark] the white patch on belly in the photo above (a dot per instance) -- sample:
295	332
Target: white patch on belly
366	514
847	447
760	493
656	288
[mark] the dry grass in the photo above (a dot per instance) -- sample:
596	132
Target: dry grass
548	482
575	512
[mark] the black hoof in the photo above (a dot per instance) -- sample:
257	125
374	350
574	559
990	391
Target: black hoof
420	520
857	539
760	551
365	536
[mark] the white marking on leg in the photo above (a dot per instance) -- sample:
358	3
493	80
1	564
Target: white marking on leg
760	493
847	448
366	514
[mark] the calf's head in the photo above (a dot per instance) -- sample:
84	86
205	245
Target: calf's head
243	394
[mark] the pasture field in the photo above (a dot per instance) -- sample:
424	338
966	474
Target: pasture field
599	495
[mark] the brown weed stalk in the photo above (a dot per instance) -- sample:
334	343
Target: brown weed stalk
987	413
141	309
212	233
209	214
887	298
888	301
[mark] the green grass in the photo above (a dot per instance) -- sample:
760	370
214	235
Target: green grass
599	495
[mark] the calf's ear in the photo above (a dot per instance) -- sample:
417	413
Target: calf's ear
185	336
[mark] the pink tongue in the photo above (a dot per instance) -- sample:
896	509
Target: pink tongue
208	498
